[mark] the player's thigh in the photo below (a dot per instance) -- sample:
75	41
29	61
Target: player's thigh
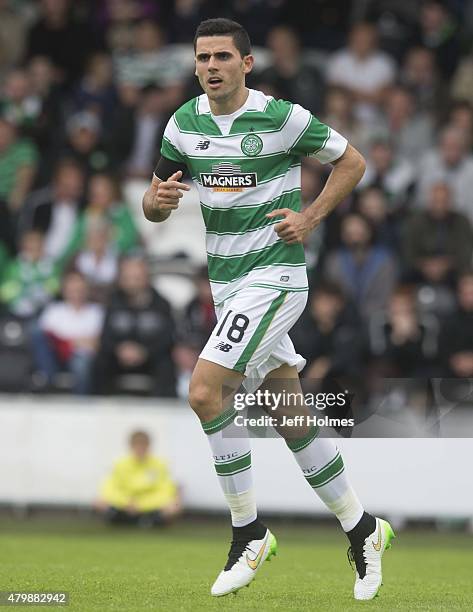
251	325
211	388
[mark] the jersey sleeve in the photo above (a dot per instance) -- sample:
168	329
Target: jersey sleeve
306	135
170	147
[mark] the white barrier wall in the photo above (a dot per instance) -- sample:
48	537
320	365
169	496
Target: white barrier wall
57	450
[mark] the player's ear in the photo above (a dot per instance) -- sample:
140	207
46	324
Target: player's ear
248	62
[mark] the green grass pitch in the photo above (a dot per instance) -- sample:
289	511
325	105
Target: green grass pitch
127	570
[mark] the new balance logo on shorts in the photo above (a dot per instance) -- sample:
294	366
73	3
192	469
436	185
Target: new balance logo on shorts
202	145
223	347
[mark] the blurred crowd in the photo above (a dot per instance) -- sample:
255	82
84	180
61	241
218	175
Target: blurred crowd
86	89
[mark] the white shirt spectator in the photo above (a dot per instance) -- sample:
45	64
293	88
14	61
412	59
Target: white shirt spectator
432	169
69	323
366	75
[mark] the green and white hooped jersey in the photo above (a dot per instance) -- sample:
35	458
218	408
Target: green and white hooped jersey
246	165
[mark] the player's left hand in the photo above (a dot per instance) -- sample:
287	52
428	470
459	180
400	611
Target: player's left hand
294	228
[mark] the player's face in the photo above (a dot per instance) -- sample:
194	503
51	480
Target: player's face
219	67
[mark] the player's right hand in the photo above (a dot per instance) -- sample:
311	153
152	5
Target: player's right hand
169	193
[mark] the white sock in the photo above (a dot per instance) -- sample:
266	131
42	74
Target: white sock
232	458
323	468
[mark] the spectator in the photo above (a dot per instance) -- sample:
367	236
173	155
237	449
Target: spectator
457	332
139	491
339	114
19	104
12	35
450	162
105	203
363	69
138	333
67	335
403	343
373	205
17	169
151	61
438	242
437	31
98	261
144	132
461	117
289	74
396	177
43	86
420	75
54	210
84	143
31	280
411	131
96	92
200	312
328	335
366	272
60	37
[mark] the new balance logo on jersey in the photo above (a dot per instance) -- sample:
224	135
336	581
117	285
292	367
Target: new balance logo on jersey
224	347
202	145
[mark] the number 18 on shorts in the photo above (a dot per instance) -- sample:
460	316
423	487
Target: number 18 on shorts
251	334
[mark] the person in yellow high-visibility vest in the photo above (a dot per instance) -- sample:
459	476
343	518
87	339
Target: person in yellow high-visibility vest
140	489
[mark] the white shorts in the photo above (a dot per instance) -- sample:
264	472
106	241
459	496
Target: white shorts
251	335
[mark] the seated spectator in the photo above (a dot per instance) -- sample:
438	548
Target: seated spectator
143	132
438	31
151	61
289	74
138	333
84	143
366	272
61	37
420	75
198	323
200	312
452	163
328	335
411	130
339	115
96	92
105	203
54	210
19	104
460	116
67	335
457	332
396	177
44	87
363	69
437	242
98	261
373	205
18	160
139	491
403	343
31	280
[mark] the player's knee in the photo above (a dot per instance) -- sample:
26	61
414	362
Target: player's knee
202	399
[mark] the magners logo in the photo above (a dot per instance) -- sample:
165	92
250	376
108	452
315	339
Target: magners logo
226	176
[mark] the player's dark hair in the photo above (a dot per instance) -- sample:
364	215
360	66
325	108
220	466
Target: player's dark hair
225	27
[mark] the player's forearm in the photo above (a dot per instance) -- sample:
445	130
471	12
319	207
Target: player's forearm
149	209
345	175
